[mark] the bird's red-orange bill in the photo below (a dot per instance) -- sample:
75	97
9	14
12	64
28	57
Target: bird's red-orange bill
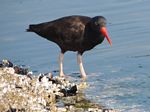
103	30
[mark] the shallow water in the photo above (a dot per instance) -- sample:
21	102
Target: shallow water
118	76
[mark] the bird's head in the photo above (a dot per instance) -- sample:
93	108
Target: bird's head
98	24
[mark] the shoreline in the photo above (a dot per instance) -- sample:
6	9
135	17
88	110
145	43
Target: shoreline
43	93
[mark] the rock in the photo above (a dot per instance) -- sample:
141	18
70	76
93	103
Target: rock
71	108
9	70
83	85
21	91
19	70
6	63
32	93
1	64
69	92
61	109
46	76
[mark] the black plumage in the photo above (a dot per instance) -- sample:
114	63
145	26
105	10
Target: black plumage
73	33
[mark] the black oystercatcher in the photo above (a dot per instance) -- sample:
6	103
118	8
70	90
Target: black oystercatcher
73	33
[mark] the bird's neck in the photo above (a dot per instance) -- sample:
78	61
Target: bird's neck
93	36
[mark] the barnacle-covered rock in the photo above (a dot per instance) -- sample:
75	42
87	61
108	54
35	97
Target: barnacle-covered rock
36	93
20	70
6	63
24	92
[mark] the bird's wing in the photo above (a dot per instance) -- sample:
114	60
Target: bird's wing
70	30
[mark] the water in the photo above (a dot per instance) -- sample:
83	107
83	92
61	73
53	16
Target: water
119	76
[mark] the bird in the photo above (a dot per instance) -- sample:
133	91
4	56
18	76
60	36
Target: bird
75	33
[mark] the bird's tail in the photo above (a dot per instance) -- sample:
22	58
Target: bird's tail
31	28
